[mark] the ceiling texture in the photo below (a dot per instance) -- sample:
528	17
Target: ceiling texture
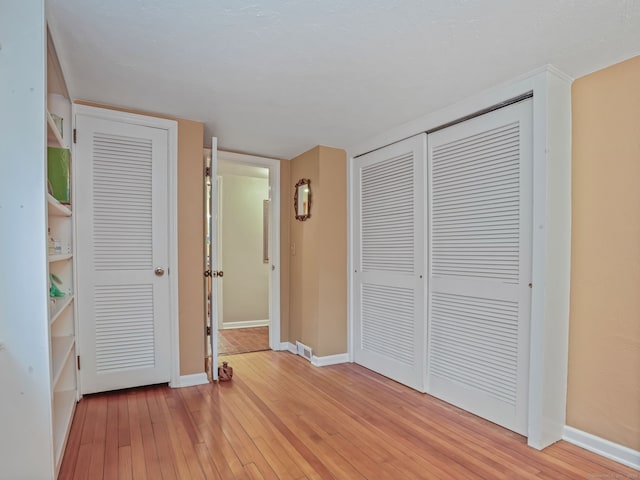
277	77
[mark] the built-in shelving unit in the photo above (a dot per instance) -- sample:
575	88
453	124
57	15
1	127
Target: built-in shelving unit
60	227
54	137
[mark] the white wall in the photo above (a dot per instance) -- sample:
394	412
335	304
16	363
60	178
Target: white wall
245	292
25	410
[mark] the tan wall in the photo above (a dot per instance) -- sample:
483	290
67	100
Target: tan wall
304	254
285	223
332	327
318	254
603	395
245	291
190	239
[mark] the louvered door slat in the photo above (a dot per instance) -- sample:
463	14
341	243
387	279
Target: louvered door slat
389	326
123	213
480	211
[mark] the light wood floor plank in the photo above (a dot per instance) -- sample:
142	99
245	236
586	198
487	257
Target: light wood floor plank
282	418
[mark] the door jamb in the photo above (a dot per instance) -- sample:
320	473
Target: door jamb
171	126
273	165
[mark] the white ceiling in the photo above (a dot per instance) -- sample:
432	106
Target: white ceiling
277	77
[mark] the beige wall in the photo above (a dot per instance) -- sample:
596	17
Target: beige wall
332	327
603	395
285	223
318	253
245	292
190	239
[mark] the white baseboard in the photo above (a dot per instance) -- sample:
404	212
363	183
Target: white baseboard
245	324
330	360
191	380
318	361
606	448
289	346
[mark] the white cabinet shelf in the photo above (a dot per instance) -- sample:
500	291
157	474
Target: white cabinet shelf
54	138
60	257
59	307
61	348
56	209
64	403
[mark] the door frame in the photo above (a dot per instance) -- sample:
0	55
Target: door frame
171	126
273	164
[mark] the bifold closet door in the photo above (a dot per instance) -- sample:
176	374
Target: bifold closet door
480	200
389	261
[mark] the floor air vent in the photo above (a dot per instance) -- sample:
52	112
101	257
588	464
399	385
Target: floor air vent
304	351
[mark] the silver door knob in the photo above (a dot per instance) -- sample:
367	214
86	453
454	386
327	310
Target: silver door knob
159	271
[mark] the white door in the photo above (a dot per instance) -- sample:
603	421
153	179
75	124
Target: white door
122	218
389	261
213	258
480	266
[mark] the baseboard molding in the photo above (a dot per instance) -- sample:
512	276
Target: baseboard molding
318	361
191	380
330	360
289	347
245	324
606	448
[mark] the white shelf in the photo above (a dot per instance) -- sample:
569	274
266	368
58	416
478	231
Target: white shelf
59	307
54	138
57	209
60	257
61	348
64	403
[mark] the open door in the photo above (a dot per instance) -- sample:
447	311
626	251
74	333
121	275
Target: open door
211	257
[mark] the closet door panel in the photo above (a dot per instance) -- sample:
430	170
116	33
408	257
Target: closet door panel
389	261
480	265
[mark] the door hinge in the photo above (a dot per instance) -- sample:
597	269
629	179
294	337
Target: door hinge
207	171
208	330
78	360
207	273
75	136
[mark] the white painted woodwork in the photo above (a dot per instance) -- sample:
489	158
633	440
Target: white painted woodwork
480	264
551	233
37	342
123	236
213	256
389	261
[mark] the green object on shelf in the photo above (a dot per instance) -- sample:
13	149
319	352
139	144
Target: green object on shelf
55	292
58	166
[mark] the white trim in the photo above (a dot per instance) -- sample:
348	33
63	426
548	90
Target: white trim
551	247
191	380
245	324
171	126
329	360
614	451
288	346
273	164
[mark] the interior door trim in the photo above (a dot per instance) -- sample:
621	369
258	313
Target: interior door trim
171	126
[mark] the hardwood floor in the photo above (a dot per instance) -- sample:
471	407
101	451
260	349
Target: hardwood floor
243	340
280	417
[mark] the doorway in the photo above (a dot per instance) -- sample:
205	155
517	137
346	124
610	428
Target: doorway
243	239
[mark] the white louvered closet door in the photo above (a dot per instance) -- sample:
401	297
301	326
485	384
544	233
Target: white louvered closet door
122	237
389	261
480	265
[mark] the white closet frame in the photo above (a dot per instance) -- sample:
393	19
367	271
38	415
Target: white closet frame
551	243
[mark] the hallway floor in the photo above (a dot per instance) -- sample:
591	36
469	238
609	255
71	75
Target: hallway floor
243	340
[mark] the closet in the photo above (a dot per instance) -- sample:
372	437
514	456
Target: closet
442	263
